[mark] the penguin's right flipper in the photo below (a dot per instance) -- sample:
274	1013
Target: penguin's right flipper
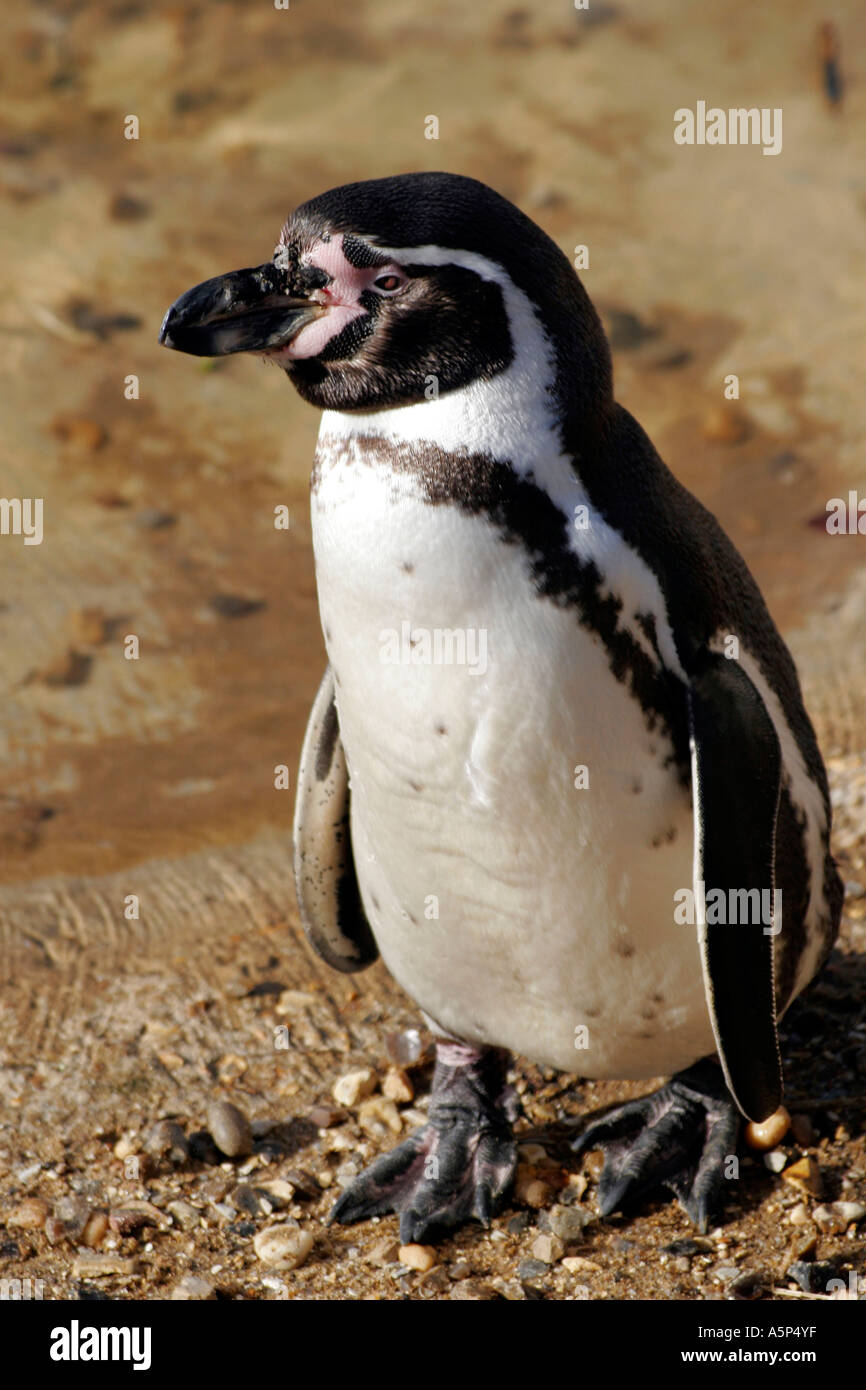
329	901
736	779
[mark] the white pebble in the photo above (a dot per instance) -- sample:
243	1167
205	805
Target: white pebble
354	1086
283	1247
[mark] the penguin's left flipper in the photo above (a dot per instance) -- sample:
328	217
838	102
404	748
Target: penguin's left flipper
681	1136
326	883
736	781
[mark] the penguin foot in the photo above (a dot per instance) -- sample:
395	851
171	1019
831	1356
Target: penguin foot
679	1138
459	1165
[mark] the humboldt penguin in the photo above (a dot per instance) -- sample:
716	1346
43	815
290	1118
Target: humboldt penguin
559	773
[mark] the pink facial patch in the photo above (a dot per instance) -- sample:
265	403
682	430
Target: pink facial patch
341	297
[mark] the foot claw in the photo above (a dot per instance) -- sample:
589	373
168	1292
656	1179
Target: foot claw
678	1138
459	1165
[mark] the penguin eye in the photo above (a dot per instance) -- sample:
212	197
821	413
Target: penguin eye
388	283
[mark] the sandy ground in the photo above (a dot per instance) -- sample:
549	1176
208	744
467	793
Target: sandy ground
154	777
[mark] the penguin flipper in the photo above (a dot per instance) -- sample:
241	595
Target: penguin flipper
326	883
736	779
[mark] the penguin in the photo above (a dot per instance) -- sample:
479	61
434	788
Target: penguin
559	773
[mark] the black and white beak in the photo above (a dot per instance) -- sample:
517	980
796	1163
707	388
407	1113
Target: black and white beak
244	311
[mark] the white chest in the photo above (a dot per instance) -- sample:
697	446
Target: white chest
518	838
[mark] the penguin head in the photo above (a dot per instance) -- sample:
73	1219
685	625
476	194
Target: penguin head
394	291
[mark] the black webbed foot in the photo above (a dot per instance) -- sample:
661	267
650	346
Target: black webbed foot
679	1138
459	1165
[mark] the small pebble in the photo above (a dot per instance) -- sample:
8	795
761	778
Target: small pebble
420	1257
803	1131
354	1086
193	1289
70	668
770	1132
531	1190
54	1230
325	1116
125	1221
279	1193
248	1199
688	1245
385	1253
88	625
95	1230
73	1212
167	1140
547	1248
594	1163
811	1276
92	1266
578	1264
806	1176
185	1214
283	1247
80	432
125	207
126	1147
234	605
835	1217
804	1245
749	1284
528	1270
519	1223
379	1116
29	1215
798	1215
472	1290
230	1128
568	1222
461	1269
347	1172
626	331
153	518
405	1048
577	1185
849	1211
304	1183
775	1160
725	424
397	1086
533	1154
510	1289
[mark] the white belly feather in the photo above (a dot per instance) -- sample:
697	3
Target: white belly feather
515	908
